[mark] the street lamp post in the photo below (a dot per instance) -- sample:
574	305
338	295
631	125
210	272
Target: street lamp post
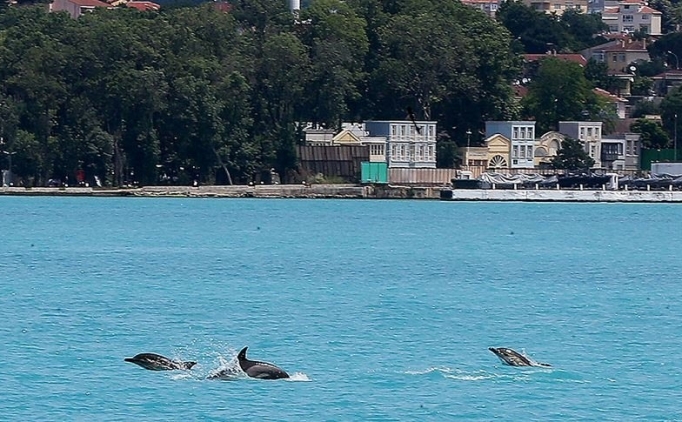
675	141
677	60
468	145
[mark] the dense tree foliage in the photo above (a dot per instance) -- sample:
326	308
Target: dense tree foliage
651	133
540	32
572	156
559	92
194	93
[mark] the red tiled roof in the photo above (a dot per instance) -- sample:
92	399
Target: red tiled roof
89	3
641	9
647	9
575	58
627	45
143	5
611	97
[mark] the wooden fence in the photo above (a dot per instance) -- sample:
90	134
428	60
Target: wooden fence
332	161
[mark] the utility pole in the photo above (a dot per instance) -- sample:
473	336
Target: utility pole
675	141
468	146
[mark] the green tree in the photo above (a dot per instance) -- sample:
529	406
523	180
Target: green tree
447	154
537	31
651	133
572	156
560	92
337	42
598	74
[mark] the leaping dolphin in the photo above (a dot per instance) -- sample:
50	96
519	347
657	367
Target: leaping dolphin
514	358
155	362
262	370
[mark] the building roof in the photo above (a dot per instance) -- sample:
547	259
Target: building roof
89	3
627	44
143	5
572	57
641	9
611	97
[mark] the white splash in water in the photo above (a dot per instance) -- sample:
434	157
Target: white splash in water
298	377
441	369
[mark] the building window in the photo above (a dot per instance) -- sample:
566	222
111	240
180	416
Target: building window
620	149
529	151
644	29
582	133
596	132
516	133
531	135
431	157
621	57
646	17
394	130
523	152
515	151
628	18
402	130
613	28
589	132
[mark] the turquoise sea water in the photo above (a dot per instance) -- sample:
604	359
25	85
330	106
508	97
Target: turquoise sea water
381	310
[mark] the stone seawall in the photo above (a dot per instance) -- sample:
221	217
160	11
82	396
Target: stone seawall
563	195
259	191
359	192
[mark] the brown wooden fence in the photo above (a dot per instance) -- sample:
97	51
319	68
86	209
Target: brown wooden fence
332	161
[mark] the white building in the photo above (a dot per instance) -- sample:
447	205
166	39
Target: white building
590	133
628	16
521	135
406	145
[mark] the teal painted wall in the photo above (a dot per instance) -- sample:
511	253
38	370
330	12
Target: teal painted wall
374	172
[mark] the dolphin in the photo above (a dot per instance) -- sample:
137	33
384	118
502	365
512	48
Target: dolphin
514	358
155	362
262	370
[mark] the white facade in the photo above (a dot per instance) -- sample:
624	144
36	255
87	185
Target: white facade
631	15
590	133
406	146
521	134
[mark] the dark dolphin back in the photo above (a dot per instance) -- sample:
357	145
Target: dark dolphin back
257	369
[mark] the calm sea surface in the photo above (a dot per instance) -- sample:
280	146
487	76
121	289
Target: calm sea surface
381	310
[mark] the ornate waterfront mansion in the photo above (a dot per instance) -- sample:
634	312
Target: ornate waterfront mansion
511	146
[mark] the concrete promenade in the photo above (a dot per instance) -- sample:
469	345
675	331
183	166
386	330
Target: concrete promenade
564	195
358	192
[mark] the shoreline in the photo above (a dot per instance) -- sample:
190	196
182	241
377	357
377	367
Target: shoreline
357	192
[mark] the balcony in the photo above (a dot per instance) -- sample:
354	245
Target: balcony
609	156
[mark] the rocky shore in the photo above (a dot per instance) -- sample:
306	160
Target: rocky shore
242	191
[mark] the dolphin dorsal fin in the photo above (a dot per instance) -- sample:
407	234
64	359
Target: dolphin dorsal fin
242	354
